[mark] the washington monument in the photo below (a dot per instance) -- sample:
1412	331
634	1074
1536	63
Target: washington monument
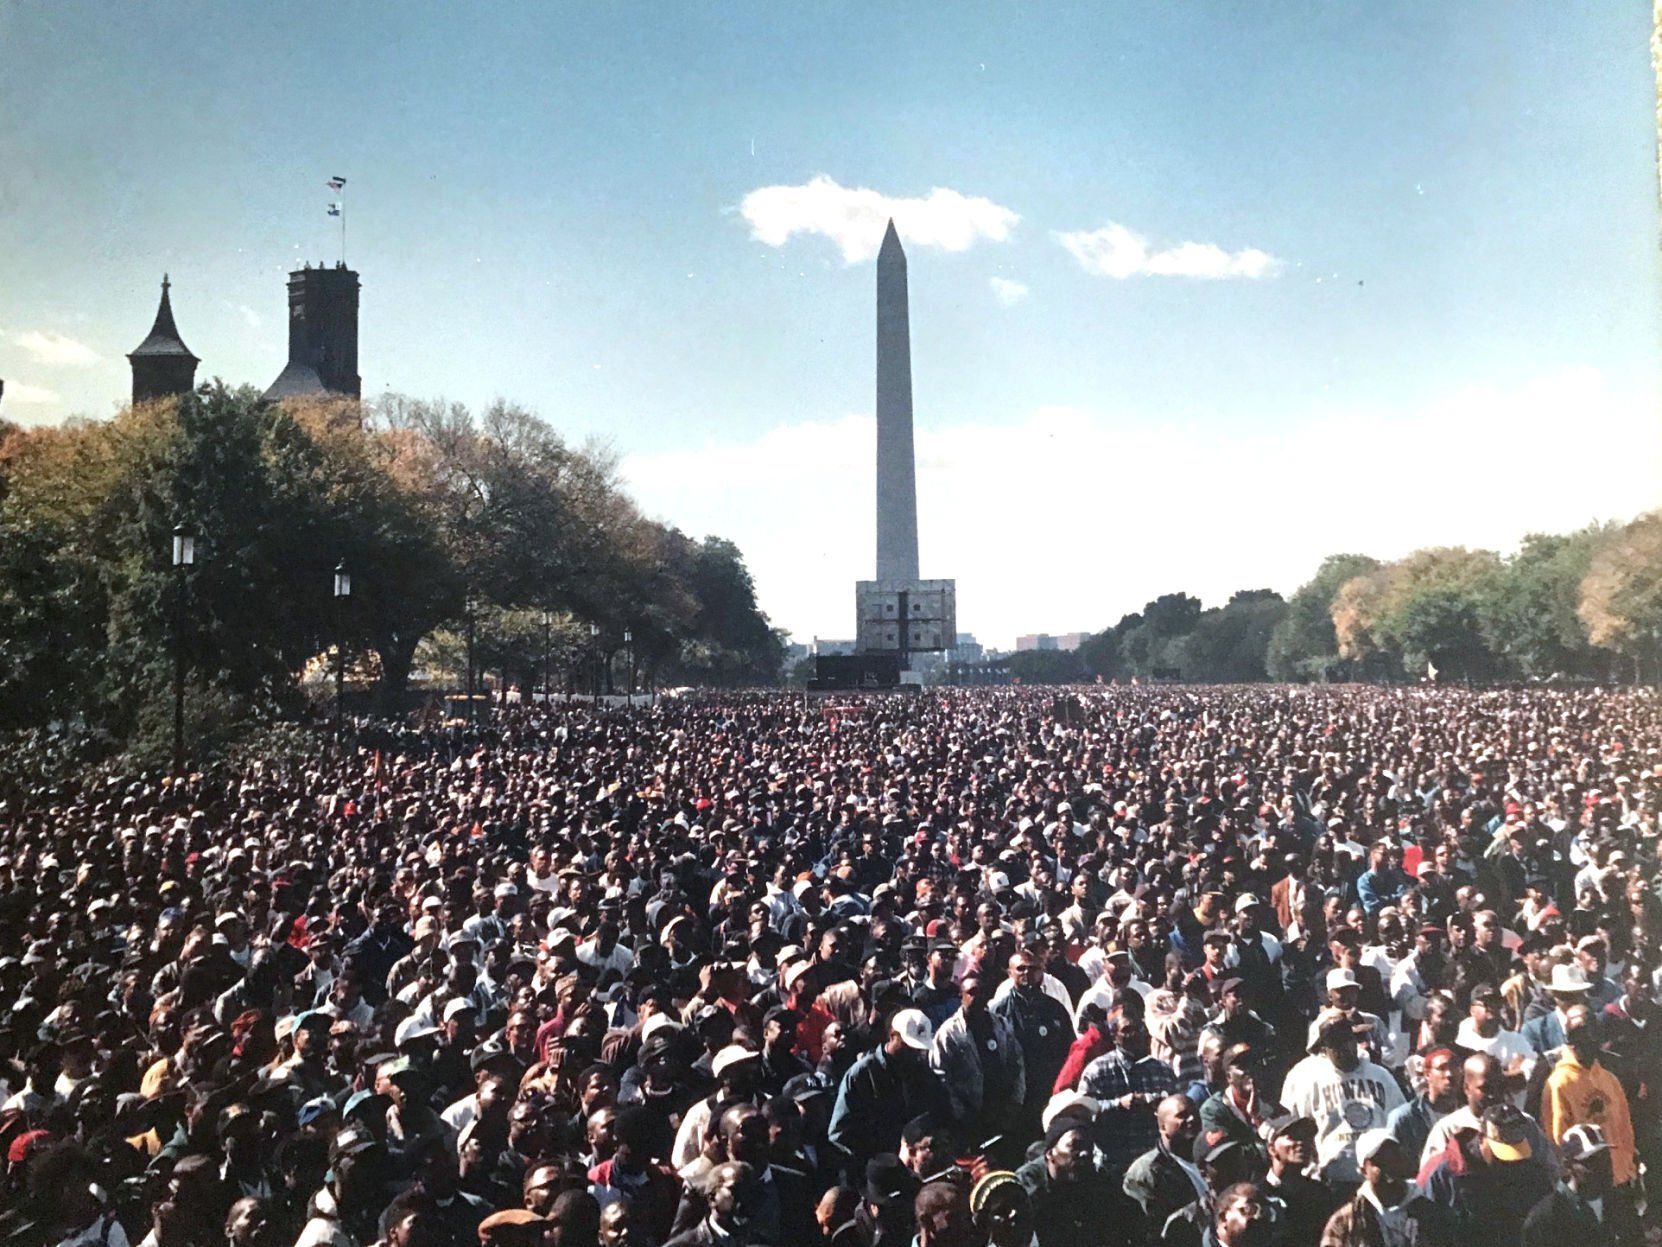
897	491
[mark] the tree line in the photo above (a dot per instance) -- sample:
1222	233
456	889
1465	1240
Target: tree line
441	514
1585	605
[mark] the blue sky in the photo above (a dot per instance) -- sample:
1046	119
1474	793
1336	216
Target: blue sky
1422	307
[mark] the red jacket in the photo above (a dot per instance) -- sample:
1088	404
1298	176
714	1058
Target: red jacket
1085	1049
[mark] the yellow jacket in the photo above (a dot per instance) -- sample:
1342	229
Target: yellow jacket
1577	1095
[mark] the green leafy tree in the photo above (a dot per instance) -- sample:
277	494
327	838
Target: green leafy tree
1304	645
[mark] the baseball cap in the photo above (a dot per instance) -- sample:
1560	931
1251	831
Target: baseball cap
1246	901
351	1141
913	1028
1289	1123
730	1056
1506	1132
1580	1142
1340	977
1369	1142
1211	1144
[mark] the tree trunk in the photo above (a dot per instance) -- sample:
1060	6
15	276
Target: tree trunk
397	654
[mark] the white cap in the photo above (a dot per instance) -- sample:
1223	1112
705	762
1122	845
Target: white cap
730	1056
997	881
1340	977
1369	1142
913	1028
456	1007
1246	901
416	1027
1062	1101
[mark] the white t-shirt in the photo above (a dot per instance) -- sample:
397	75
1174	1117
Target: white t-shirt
1342	1105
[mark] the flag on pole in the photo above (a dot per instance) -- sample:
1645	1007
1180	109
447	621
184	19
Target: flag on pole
336	184
334	209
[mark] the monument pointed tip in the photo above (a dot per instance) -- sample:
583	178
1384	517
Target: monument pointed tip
891	242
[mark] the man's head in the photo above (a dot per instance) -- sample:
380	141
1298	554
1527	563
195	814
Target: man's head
1242	1217
973	994
1581	1033
1177	1122
1027	971
1505	1135
1337	1042
1480	1079
1068	1149
1440	1076
910	1034
1586	1158
1386	1165
1292	1143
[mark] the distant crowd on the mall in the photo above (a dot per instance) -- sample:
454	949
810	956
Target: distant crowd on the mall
1119	967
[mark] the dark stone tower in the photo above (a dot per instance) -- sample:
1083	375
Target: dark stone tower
323	335
162	364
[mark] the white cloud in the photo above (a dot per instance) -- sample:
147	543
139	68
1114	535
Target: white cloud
55	350
1008	292
1106	540
854	217
250	317
1118	252
27	395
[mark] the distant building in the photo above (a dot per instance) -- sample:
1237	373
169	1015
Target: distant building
1066	642
822	645
323	336
162	364
966	649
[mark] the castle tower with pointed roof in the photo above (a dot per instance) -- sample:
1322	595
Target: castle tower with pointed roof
162	363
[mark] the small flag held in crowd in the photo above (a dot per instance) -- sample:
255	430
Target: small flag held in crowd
336	184
334	209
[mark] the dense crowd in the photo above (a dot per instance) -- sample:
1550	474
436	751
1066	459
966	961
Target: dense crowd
979	968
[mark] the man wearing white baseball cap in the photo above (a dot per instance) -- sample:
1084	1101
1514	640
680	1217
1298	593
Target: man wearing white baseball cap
1383	1209
885	1089
1579	1210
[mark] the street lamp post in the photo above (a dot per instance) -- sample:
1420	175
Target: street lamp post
343	591
470	614
594	644
629	650
184	555
547	676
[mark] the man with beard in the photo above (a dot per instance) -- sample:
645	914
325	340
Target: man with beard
1581	1092
1344	1093
1410	1124
980	1061
1129	1083
1305	1203
733	1192
1043	1032
1384	1212
1074	1203
1165	1179
345	1210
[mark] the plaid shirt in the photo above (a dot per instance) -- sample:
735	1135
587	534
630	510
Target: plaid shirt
1125	1134
1112	1075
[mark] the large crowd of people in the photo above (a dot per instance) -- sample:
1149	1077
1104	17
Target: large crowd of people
1112	967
